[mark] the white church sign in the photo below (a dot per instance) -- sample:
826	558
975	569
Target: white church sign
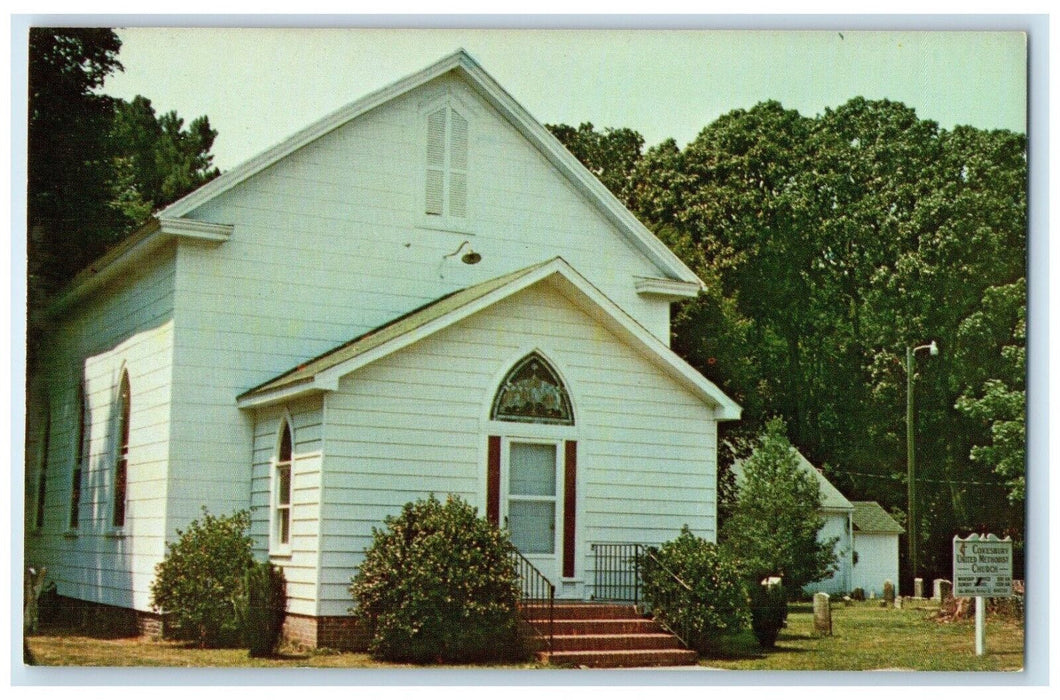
982	566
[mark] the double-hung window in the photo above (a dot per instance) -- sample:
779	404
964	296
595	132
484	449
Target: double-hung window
281	491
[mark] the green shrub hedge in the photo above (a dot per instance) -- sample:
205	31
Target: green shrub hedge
715	601
438	585
200	580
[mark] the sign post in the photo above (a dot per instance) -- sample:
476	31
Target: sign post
982	567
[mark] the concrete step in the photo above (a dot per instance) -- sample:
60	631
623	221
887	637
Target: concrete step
624	659
614	642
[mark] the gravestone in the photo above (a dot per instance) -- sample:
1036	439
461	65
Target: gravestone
898	602
822	615
918	588
888	593
943	589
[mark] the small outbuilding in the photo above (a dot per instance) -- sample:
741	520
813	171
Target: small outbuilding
875	547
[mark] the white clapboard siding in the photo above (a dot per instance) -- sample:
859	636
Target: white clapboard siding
300	567
129	325
414	423
877	562
328	244
836	525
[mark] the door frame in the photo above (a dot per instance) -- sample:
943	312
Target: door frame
549	564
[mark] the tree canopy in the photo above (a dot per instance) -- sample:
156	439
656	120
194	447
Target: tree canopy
829	245
97	166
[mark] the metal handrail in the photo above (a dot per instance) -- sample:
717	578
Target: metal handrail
618	578
535	589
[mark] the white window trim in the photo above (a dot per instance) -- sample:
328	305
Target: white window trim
276	547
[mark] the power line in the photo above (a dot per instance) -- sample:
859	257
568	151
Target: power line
899	477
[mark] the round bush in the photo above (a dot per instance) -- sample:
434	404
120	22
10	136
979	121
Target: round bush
695	589
438	585
200	580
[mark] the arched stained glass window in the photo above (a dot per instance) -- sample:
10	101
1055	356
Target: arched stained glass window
121	466
533	393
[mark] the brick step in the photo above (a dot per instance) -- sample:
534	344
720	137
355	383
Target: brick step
581	627
624	659
581	611
614	642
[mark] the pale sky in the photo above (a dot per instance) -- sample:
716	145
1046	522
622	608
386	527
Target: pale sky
258	86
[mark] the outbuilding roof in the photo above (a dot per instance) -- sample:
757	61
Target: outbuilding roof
870	517
831	498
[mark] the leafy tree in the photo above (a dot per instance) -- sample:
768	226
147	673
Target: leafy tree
610	154
97	167
773	528
829	245
1002	400
160	161
70	217
200	582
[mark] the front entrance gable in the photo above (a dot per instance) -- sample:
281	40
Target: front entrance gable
324	372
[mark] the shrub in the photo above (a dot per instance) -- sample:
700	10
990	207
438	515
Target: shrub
438	584
858	594
769	612
263	606
709	599
200	579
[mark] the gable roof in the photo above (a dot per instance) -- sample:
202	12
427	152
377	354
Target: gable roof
324	372
870	517
831	498
484	85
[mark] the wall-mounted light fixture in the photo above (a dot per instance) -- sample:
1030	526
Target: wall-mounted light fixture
468	258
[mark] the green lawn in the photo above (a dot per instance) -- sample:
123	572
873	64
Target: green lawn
55	646
865	637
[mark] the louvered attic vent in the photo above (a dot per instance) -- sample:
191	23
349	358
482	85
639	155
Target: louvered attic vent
447	139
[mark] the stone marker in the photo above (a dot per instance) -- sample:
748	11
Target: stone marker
822	615
943	589
918	588
898	602
888	592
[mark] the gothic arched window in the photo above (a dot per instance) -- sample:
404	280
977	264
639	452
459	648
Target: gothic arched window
533	393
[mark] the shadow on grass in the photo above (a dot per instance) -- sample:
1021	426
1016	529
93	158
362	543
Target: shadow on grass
744	646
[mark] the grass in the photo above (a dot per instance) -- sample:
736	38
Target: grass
866	636
58	646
